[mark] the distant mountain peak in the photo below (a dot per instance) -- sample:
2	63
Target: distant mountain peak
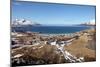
22	22
89	23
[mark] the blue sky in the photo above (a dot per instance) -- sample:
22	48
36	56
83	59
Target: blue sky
52	14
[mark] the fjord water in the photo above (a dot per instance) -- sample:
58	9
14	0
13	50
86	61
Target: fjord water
51	29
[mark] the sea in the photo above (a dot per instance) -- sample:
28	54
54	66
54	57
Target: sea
50	29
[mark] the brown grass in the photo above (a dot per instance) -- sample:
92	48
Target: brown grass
79	49
46	54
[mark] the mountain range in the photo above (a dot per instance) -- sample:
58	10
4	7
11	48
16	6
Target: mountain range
23	22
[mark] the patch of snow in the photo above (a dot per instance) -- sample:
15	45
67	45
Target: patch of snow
18	55
53	43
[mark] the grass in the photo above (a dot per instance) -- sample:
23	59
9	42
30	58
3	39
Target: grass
44	55
79	48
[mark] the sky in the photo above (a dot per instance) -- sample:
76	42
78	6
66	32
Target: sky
53	14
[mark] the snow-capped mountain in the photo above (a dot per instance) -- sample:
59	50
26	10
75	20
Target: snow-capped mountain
23	22
89	24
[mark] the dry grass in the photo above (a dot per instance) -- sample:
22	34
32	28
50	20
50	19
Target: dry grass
79	49
45	54
48	55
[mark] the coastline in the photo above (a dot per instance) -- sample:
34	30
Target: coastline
55	45
57	34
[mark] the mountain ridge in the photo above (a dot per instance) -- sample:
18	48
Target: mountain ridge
23	22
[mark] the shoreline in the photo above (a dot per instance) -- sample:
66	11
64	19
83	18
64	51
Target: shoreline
56	34
49	31
68	48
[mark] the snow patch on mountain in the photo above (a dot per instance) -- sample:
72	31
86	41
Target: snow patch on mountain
19	22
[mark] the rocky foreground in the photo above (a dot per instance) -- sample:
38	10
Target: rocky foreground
35	49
